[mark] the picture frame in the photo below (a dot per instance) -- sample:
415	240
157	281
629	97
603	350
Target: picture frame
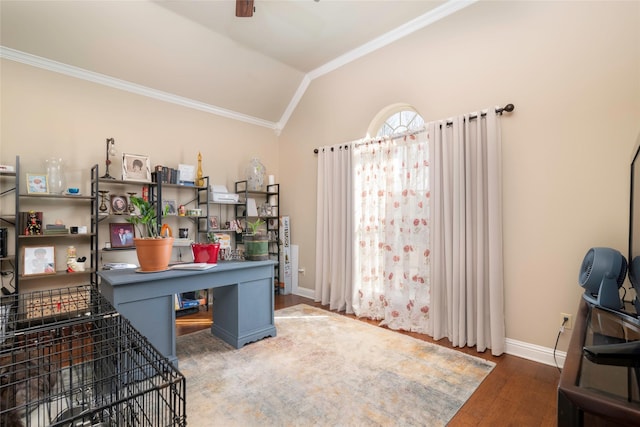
39	260
119	205
136	167
187	174
37	184
121	235
170	207
213	223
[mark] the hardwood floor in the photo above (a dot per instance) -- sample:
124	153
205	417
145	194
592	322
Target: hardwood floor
517	392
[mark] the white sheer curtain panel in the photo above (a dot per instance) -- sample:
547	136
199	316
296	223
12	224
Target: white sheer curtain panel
334	228
466	233
391	225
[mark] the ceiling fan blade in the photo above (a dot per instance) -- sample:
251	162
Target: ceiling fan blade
244	8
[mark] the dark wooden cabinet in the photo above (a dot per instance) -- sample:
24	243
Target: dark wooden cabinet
599	394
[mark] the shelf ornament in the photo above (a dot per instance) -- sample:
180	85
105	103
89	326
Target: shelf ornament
111	150
199	179
255	175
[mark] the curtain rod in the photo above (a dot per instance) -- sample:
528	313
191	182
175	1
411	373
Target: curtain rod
507	108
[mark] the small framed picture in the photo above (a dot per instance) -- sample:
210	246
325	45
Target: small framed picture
169	206
136	167
118	205
187	174
213	223
37	184
122	234
39	260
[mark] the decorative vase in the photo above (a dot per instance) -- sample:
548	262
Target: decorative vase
256	247
55	175
255	175
205	252
153	254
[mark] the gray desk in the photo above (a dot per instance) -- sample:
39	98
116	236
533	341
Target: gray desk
242	305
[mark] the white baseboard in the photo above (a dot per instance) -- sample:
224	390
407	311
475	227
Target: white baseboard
517	348
305	292
535	353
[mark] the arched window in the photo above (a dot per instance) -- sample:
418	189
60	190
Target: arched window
395	119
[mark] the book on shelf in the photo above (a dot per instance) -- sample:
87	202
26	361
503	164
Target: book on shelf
188	303
55	226
56	231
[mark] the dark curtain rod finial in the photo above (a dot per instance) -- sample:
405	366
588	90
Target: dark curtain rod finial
509	108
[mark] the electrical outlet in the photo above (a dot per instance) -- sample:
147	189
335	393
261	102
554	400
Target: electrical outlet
569	323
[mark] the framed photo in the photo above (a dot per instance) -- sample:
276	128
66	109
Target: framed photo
122	234
39	260
187	174
37	184
213	223
169	206
136	167
119	205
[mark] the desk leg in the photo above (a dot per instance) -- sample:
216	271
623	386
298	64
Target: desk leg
243	313
155	319
569	414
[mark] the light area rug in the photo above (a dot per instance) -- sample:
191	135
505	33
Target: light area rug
324	369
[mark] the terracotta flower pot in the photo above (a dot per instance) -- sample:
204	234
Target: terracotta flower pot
205	252
153	254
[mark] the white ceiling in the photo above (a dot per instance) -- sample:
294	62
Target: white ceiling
197	53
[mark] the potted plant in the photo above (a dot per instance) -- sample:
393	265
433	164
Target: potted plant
154	244
206	252
256	244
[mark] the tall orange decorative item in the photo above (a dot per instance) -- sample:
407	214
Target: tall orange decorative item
199	176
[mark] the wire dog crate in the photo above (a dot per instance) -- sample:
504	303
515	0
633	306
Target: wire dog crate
67	358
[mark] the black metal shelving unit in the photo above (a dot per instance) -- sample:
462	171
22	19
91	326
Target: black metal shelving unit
270	195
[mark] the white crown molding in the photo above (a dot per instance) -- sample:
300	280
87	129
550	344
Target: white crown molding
416	24
80	73
404	30
306	81
398	33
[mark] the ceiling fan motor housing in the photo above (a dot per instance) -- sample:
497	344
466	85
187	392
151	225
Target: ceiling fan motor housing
244	8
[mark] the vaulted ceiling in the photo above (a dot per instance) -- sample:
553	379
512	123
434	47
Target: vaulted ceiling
199	54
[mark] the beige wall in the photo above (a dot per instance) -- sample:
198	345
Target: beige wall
45	114
572	69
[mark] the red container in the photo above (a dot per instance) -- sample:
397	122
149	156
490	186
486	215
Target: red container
205	252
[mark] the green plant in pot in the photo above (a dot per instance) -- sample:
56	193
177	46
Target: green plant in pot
206	252
256	243
154	244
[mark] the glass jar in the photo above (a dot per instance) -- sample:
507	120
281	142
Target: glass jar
255	175
55	175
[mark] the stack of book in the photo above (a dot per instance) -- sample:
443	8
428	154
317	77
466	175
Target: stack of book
56	229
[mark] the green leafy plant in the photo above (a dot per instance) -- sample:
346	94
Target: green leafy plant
146	221
254	226
212	237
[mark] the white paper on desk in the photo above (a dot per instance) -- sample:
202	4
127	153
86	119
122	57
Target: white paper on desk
192	266
118	265
252	209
